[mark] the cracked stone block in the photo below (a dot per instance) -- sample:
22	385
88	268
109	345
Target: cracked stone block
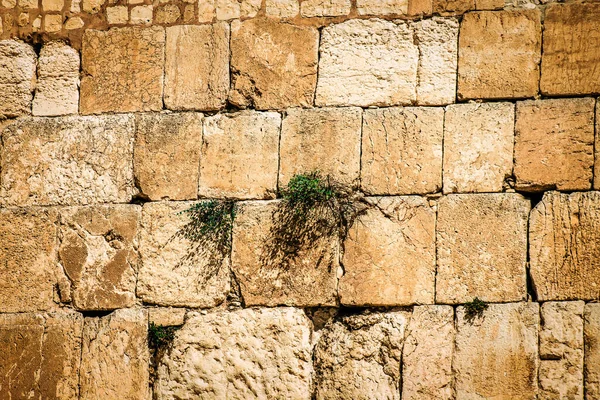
402	150
240	155
389	254
273	65
382	7
167	155
499	54
359	357
68	160
282	8
591	332
17	77
325	8
476	261
367	63
122	70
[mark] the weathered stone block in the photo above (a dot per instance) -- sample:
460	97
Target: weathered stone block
474	260
166	316
231	9
325	8
420	7
591	332
117	15
554	144
282	8
499	54
382	7
478	147
240	155
141	15
452	7
17	77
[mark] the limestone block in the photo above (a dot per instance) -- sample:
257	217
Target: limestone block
402	150
206	10
499	54
240	155
92	6
478	147
496	355
167	155
554	144
167	14
197	67
141	15
117	15
452	6
324	139
115	356
282	8
591	332
490	4
367	63
359	357
325	8
420	7
382	7
274	65
166	316
52	5
231	9
17	77
74	23
176	271
389	254
69	160
252	353
597	150
481	248
53	23
122	70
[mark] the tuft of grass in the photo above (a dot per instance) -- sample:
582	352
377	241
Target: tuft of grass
160	336
475	309
304	192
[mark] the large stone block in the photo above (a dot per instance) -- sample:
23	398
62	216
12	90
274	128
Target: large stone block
597	150
17	78
325	8
389	254
382	7
123	70
251	353
273	65
499	54
231	9
554	144
475	260
591	332
69	160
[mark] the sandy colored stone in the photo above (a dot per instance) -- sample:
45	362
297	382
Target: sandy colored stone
481	248
420	7
268	277
240	155
92	6
402	150
53	5
478	147
189	14
122	70
561	350
367	62
28	4
591	332
282	8
74	23
166	316
117	15
206	10
453	7
382	7
53	22
359	357
252	353
231	9
167	14
273	65
389	254
167	155
554	144
427	354
17	77
115	356
323	139
325	8
57	91
496	355
499	54
141	15
176	271
597	150
68	160
489	4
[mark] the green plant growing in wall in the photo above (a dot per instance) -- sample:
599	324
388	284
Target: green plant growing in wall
475	309
160	337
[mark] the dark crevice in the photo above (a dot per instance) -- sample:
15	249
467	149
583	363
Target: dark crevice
95	313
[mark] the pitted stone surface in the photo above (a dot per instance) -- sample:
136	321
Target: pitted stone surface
231	9
282	8
591	332
17	77
382	7
325	8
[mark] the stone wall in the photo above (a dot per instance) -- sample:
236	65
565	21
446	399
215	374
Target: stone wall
470	129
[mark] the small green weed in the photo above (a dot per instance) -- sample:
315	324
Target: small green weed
160	336
304	192
475	309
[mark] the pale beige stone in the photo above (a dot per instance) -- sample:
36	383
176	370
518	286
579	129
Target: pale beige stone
499	54
231	9
389	254
554	144
597	150
359	357
478	147
402	150
496	355
141	15
36	25
481	248
53	22
282	8
138	56
23	19
166	316
382	7
420	7
68	160
206	10
17	77
324	139
251	353
240	155
427	354
325	8
75	6
92	6
176	271
117	15
367	63
167	14
591	332
489	4
53	5
74	23
28	4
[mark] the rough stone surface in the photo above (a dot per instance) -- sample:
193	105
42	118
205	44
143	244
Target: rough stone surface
554	144
367	62
382	7
274	65
206	10
597	150
325	8
359	357
69	160
141	15
591	332
475	260
166	316
496	355
197	67
231	9
499	54
452	6
282	8
478	147
251	353
117	15
122	70
389	254
240	155
402	150
167	155
17	77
